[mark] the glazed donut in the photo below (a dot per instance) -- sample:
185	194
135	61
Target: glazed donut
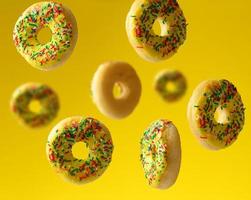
170	76
25	94
78	129
63	26
161	154
209	98
122	74
139	23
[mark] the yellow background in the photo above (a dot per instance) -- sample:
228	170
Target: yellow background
218	46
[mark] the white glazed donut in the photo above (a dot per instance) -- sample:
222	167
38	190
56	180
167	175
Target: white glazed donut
109	74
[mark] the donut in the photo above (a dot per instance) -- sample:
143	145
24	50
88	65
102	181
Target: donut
161	154
106	77
149	45
174	77
213	97
79	129
60	20
25	94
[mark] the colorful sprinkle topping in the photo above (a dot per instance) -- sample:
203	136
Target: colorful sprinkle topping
154	151
44	14
220	94
97	139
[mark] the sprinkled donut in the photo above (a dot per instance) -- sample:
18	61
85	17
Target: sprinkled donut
139	23
106	77
78	129
63	26
174	77
161	154
25	94
216	97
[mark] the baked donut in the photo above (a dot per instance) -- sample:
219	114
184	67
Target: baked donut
213	97
139	24
174	77
106	77
161	154
60	20
25	94
78	129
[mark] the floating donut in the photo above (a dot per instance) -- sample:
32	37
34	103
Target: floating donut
60	20
25	94
106	77
78	129
216	97
139	23
173	77
161	154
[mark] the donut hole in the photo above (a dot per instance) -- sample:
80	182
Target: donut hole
80	151
44	35
221	115
171	86
117	90
35	106
160	27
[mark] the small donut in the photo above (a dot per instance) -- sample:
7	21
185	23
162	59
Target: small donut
60	20
25	94
139	23
161	154
78	129
209	98
108	75
174	77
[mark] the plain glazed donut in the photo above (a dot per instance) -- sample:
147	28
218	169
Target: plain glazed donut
174	77
64	31
139	23
208	98
78	129
161	154
109	74
25	94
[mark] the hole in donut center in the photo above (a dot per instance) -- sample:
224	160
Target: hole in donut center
117	90
80	151
171	86
35	106
160	27
44	35
221	115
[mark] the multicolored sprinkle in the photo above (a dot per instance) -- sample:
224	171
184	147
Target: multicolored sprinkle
154	151
140	22
220	94
36	17
77	129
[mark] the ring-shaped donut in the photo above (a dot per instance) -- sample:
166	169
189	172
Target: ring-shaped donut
139	27
25	94
60	20
78	129
174	78
208	98
107	75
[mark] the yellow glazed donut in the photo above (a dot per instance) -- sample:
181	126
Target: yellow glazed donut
161	154
210	98
108	75
25	94
173	77
78	129
139	23
63	26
